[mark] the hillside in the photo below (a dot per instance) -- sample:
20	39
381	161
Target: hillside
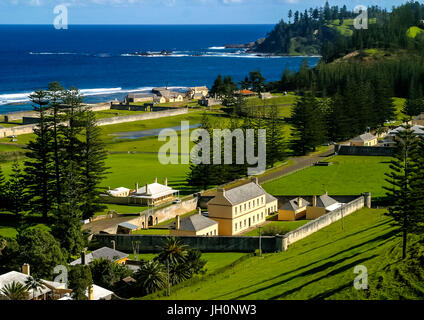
317	267
330	32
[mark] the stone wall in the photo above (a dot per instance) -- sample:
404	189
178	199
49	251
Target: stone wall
345	150
24	129
153	243
325	220
14	116
143	116
18	130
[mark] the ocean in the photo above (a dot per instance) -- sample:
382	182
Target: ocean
101	60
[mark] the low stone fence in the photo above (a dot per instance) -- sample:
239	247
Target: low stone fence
16	131
344	150
325	220
143	116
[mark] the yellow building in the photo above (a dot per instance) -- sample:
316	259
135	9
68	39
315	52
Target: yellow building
195	225
241	208
320	206
364	140
293	210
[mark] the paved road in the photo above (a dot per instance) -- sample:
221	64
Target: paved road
299	164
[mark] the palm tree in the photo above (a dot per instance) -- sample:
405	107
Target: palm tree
34	284
173	251
151	277
15	291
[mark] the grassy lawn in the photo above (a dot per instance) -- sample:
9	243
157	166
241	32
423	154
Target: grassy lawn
128	169
287	225
152	231
317	267
348	175
115	113
122	209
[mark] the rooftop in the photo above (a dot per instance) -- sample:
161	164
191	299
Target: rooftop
153	190
196	222
105	253
293	204
364	137
243	193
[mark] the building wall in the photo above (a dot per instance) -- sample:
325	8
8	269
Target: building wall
363	151
286	215
144	116
272	207
314	212
210	231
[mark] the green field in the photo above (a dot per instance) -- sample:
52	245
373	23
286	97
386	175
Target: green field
348	175
318	267
286	225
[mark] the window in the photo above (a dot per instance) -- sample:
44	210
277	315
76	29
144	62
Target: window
245	223
262	215
249	204
240	208
262	200
240	225
257	217
235	226
257	202
244	207
214	232
235	209
253	219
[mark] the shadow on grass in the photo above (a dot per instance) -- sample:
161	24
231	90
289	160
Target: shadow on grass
318	268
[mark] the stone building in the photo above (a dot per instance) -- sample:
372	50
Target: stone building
364	140
241	208
293	210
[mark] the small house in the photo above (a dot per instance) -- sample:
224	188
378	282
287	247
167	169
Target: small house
418	120
138	97
195	225
246	93
293	210
102	253
265	95
364	140
320	206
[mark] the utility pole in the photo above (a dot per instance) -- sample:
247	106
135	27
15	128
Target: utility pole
260	242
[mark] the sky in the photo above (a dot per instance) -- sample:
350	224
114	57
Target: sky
164	11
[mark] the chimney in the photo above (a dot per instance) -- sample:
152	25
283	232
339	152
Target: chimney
326	192
177	222
222	191
166	181
147	188
314	201
254	180
199	210
136	187
91	292
113	244
299	202
26	269
156	179
83	261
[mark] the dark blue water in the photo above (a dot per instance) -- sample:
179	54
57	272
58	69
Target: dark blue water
100	60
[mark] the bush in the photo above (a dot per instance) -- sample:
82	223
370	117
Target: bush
272	230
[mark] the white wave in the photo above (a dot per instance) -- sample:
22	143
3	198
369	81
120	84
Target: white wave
216	48
51	53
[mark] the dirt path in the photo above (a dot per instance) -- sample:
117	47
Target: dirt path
299	164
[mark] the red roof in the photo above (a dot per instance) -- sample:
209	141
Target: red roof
245	91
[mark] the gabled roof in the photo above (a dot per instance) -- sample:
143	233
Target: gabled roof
269	198
364	137
128	225
293	205
140	95
325	201
242	193
419	130
105	253
196	222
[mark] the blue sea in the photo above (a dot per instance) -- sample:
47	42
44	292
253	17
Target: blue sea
101	61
